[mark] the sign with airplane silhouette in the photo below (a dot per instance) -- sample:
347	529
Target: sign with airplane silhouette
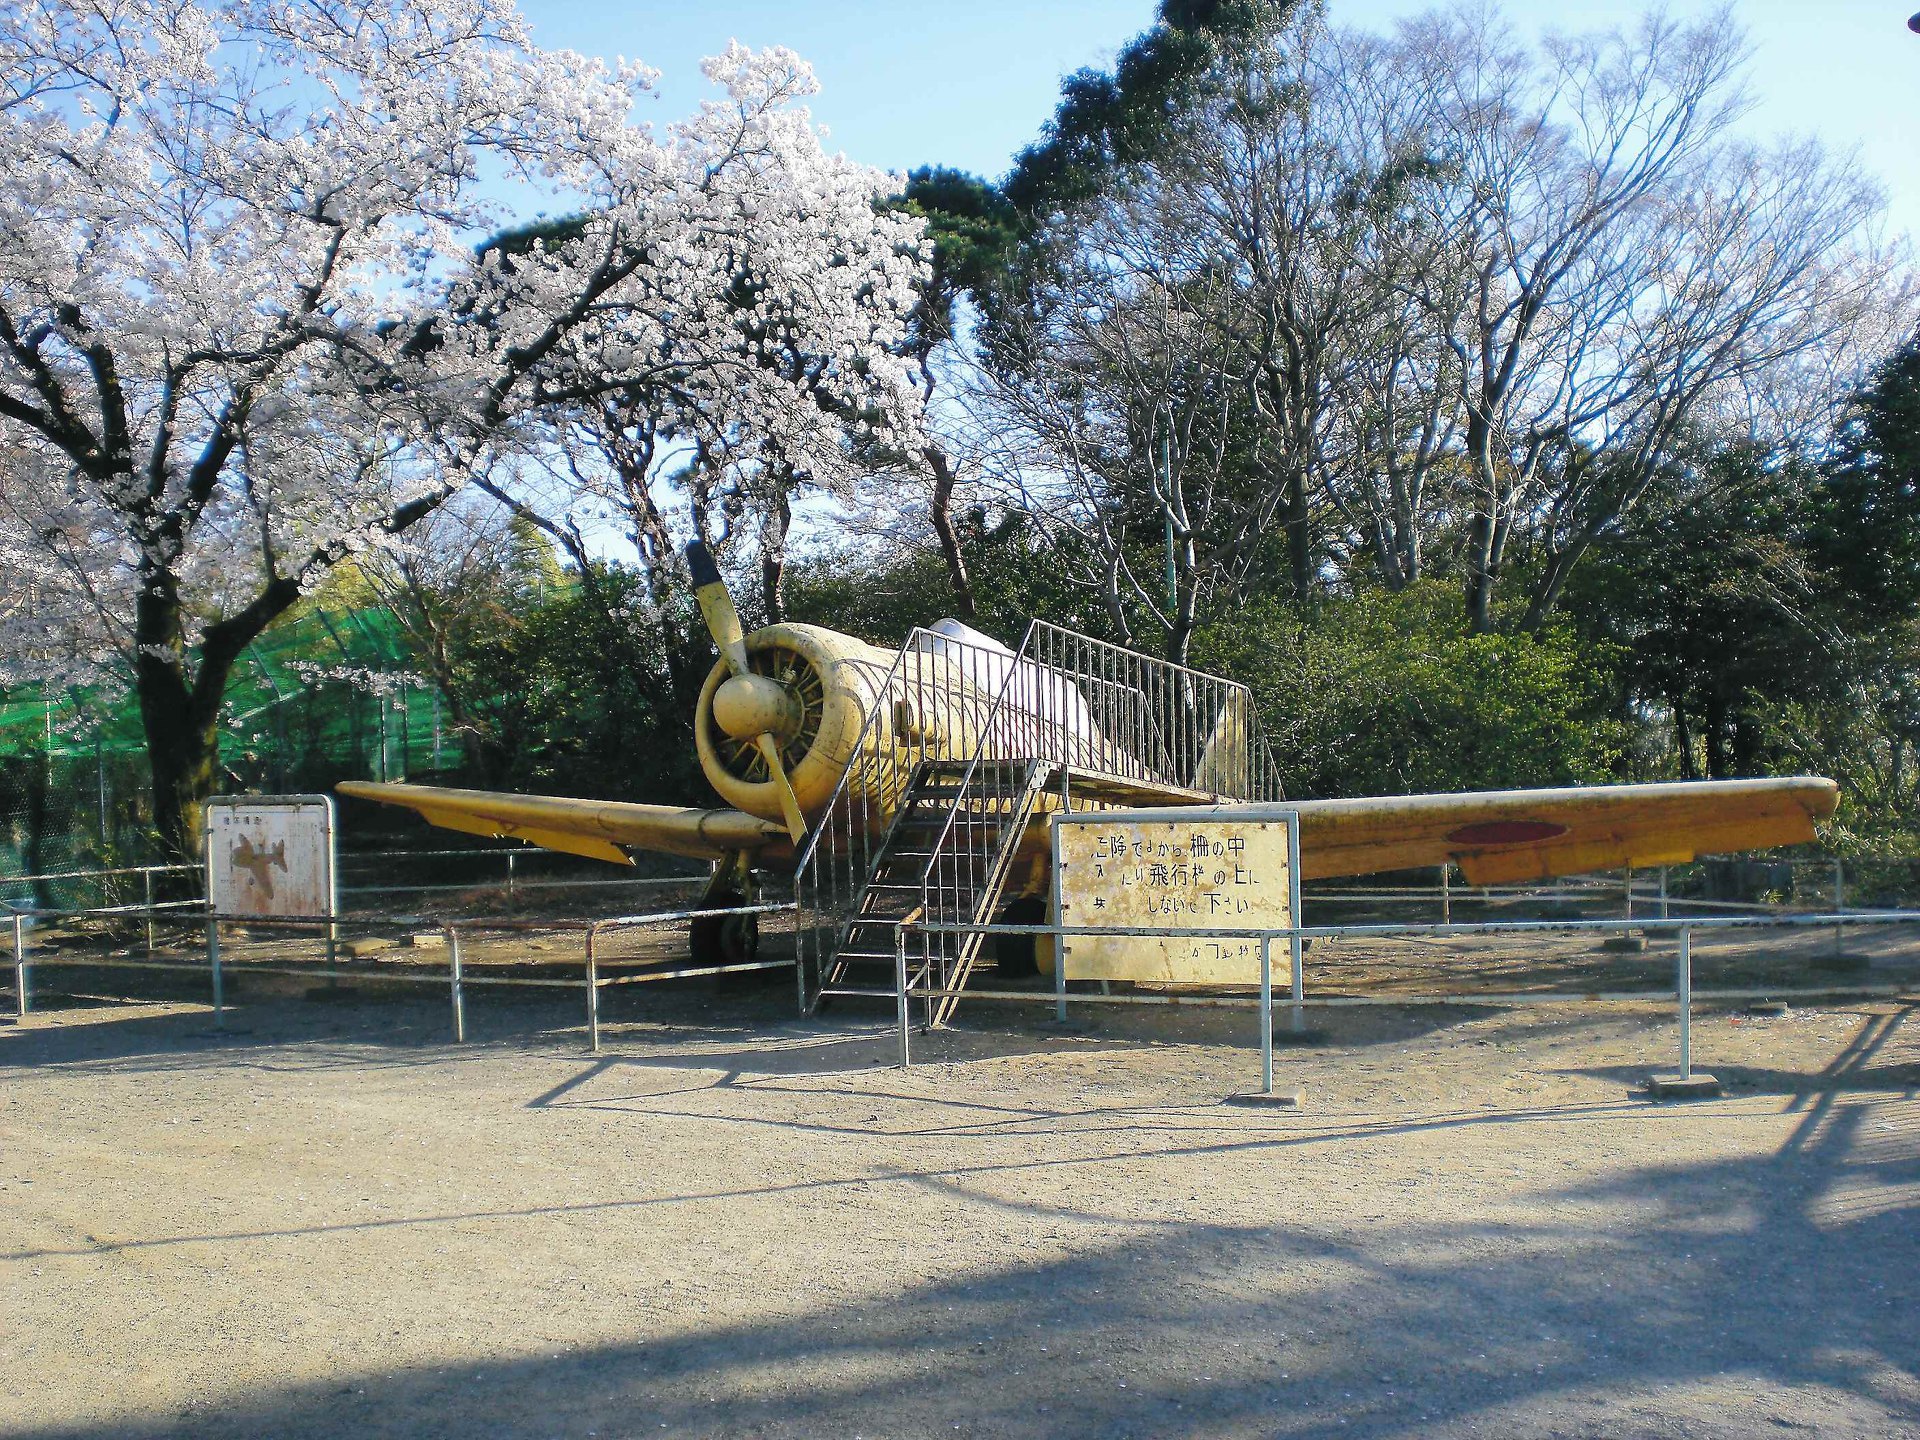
270	855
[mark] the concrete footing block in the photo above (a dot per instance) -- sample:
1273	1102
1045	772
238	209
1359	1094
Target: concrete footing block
1767	1009
1268	1099
1624	944
1697	1086
1072	1025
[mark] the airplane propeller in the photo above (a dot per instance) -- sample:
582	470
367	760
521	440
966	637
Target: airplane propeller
748	706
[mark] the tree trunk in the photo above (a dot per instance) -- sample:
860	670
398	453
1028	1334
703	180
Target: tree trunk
1481	525
1186	612
1683	741
773	559
941	509
1553	584
1716	727
1299	537
1479	596
181	717
183	753
1745	746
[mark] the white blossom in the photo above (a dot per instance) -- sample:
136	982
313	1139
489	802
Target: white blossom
247	328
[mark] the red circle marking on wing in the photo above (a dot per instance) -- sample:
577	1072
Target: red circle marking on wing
1506	832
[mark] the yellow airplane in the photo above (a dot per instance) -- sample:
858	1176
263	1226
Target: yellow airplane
810	735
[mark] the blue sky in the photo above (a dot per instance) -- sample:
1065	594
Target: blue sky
969	83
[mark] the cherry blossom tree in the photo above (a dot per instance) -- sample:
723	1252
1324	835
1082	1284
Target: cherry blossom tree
248	326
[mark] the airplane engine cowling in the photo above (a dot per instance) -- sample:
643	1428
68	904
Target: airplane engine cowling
834	679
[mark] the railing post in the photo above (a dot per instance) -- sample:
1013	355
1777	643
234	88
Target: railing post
1295	907
1059	974
1839	904
459	994
1663	892
146	895
20	1003
1629	875
900	995
805	938
1266	1014
1684	985
593	988
1299	979
1446	894
926	968
213	965
510	875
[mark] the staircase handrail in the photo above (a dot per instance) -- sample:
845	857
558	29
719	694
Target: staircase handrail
882	697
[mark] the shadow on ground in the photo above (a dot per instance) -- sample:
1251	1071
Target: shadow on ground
1852	1071
1746	1287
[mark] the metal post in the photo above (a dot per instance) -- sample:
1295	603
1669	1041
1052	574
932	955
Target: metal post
1298	950
1629	893
1266	1014
146	895
1446	894
593	989
459	996
900	995
1663	892
511	854
1839	904
926	969
19	966
1299	984
804	940
1059	973
213	964
333	901
1684	985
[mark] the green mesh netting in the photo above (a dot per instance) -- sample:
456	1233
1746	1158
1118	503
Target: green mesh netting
321	697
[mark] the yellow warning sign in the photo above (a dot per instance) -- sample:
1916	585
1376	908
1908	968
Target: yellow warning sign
1154	874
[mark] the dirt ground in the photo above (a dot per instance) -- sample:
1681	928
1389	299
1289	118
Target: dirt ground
328	1220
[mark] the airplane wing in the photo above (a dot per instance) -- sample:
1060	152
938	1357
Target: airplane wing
1495	837
1503	836
598	829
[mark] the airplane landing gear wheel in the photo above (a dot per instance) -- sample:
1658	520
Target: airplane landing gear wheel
1014	953
725	939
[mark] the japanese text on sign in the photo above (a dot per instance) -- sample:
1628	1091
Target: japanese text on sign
1170	874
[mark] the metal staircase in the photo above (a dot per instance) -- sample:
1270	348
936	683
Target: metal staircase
926	824
946	857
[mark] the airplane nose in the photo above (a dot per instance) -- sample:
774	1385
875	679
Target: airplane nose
748	706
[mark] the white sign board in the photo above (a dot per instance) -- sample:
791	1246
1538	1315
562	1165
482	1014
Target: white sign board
270	855
1147	870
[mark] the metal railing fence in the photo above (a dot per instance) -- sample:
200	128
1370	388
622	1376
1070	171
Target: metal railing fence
217	963
513	870
599	967
1299	1001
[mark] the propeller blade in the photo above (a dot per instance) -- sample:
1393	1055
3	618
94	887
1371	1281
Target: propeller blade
789	802
723	621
